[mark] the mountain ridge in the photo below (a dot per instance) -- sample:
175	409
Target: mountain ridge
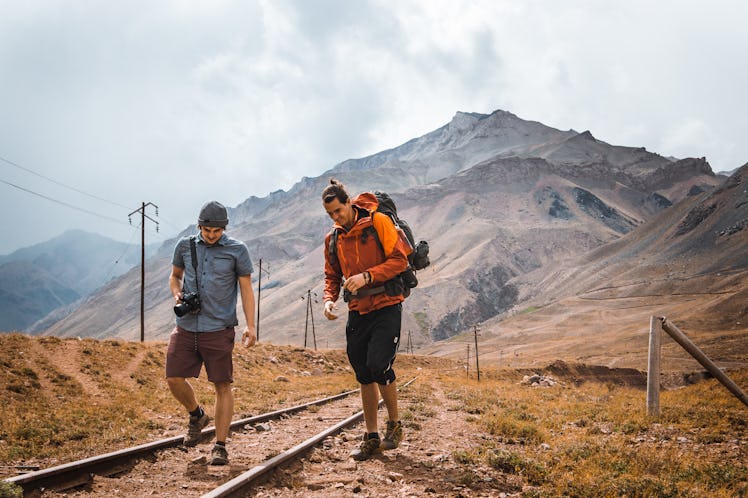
447	182
38	279
499	198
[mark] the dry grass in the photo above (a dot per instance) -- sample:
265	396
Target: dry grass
596	439
65	399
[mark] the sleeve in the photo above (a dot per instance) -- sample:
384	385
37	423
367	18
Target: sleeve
395	249
178	257
243	261
333	274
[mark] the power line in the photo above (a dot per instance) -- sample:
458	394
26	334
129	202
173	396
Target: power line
71	206
60	183
128	246
12	163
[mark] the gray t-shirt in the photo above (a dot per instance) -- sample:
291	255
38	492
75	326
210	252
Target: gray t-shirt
219	267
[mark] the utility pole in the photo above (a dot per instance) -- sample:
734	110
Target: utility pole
309	313
477	367
467	363
143	216
259	289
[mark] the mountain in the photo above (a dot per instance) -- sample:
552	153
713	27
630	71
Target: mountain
36	280
496	196
687	263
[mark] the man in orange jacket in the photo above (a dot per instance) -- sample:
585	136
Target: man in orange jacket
366	266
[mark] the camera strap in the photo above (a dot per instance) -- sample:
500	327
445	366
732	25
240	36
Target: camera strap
193	253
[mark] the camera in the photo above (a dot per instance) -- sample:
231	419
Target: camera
190	303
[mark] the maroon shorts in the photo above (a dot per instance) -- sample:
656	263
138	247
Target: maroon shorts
189	350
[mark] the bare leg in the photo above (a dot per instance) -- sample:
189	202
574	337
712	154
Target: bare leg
370	402
182	391
224	410
389	394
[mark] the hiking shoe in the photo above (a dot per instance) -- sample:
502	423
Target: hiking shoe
195	429
368	448
393	435
219	455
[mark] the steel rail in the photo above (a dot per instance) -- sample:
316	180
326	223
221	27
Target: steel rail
79	472
236	486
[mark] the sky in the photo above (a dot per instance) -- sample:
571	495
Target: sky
105	106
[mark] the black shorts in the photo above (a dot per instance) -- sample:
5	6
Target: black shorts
189	350
372	341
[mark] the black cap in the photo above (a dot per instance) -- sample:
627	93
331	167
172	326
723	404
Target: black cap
213	214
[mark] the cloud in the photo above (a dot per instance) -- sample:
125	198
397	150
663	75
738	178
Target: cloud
178	102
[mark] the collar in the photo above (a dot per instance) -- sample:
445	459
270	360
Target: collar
220	242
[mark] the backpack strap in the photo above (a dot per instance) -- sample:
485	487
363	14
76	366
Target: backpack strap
332	248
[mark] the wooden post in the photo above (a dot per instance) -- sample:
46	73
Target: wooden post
306	323
311	315
467	363
477	366
143	216
259	290
142	273
694	351
653	369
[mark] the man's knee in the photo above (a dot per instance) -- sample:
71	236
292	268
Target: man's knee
223	388
176	382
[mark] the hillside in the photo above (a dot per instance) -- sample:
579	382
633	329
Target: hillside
66	399
688	263
496	196
39	279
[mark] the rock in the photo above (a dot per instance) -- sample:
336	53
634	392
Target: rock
281	378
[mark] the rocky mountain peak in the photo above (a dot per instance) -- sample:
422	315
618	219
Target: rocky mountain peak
495	195
464	120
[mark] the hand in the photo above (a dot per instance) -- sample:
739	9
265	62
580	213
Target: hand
249	336
354	283
329	306
178	297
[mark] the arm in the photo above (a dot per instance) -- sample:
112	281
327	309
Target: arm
396	250
333	277
249	336
175	282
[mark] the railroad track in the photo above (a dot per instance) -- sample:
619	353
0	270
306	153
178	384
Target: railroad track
165	467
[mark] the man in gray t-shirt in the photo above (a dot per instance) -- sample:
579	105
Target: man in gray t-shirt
206	271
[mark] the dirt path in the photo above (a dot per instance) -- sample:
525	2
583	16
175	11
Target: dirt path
123	376
65	357
423	465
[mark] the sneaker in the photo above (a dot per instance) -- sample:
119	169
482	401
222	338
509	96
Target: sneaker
219	455
368	448
195	429
393	435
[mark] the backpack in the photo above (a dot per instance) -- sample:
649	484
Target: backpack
418	259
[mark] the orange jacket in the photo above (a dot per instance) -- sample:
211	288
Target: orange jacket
358	252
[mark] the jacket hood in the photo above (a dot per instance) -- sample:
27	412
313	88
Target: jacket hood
367	200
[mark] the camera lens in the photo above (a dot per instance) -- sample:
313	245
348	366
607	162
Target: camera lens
182	309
